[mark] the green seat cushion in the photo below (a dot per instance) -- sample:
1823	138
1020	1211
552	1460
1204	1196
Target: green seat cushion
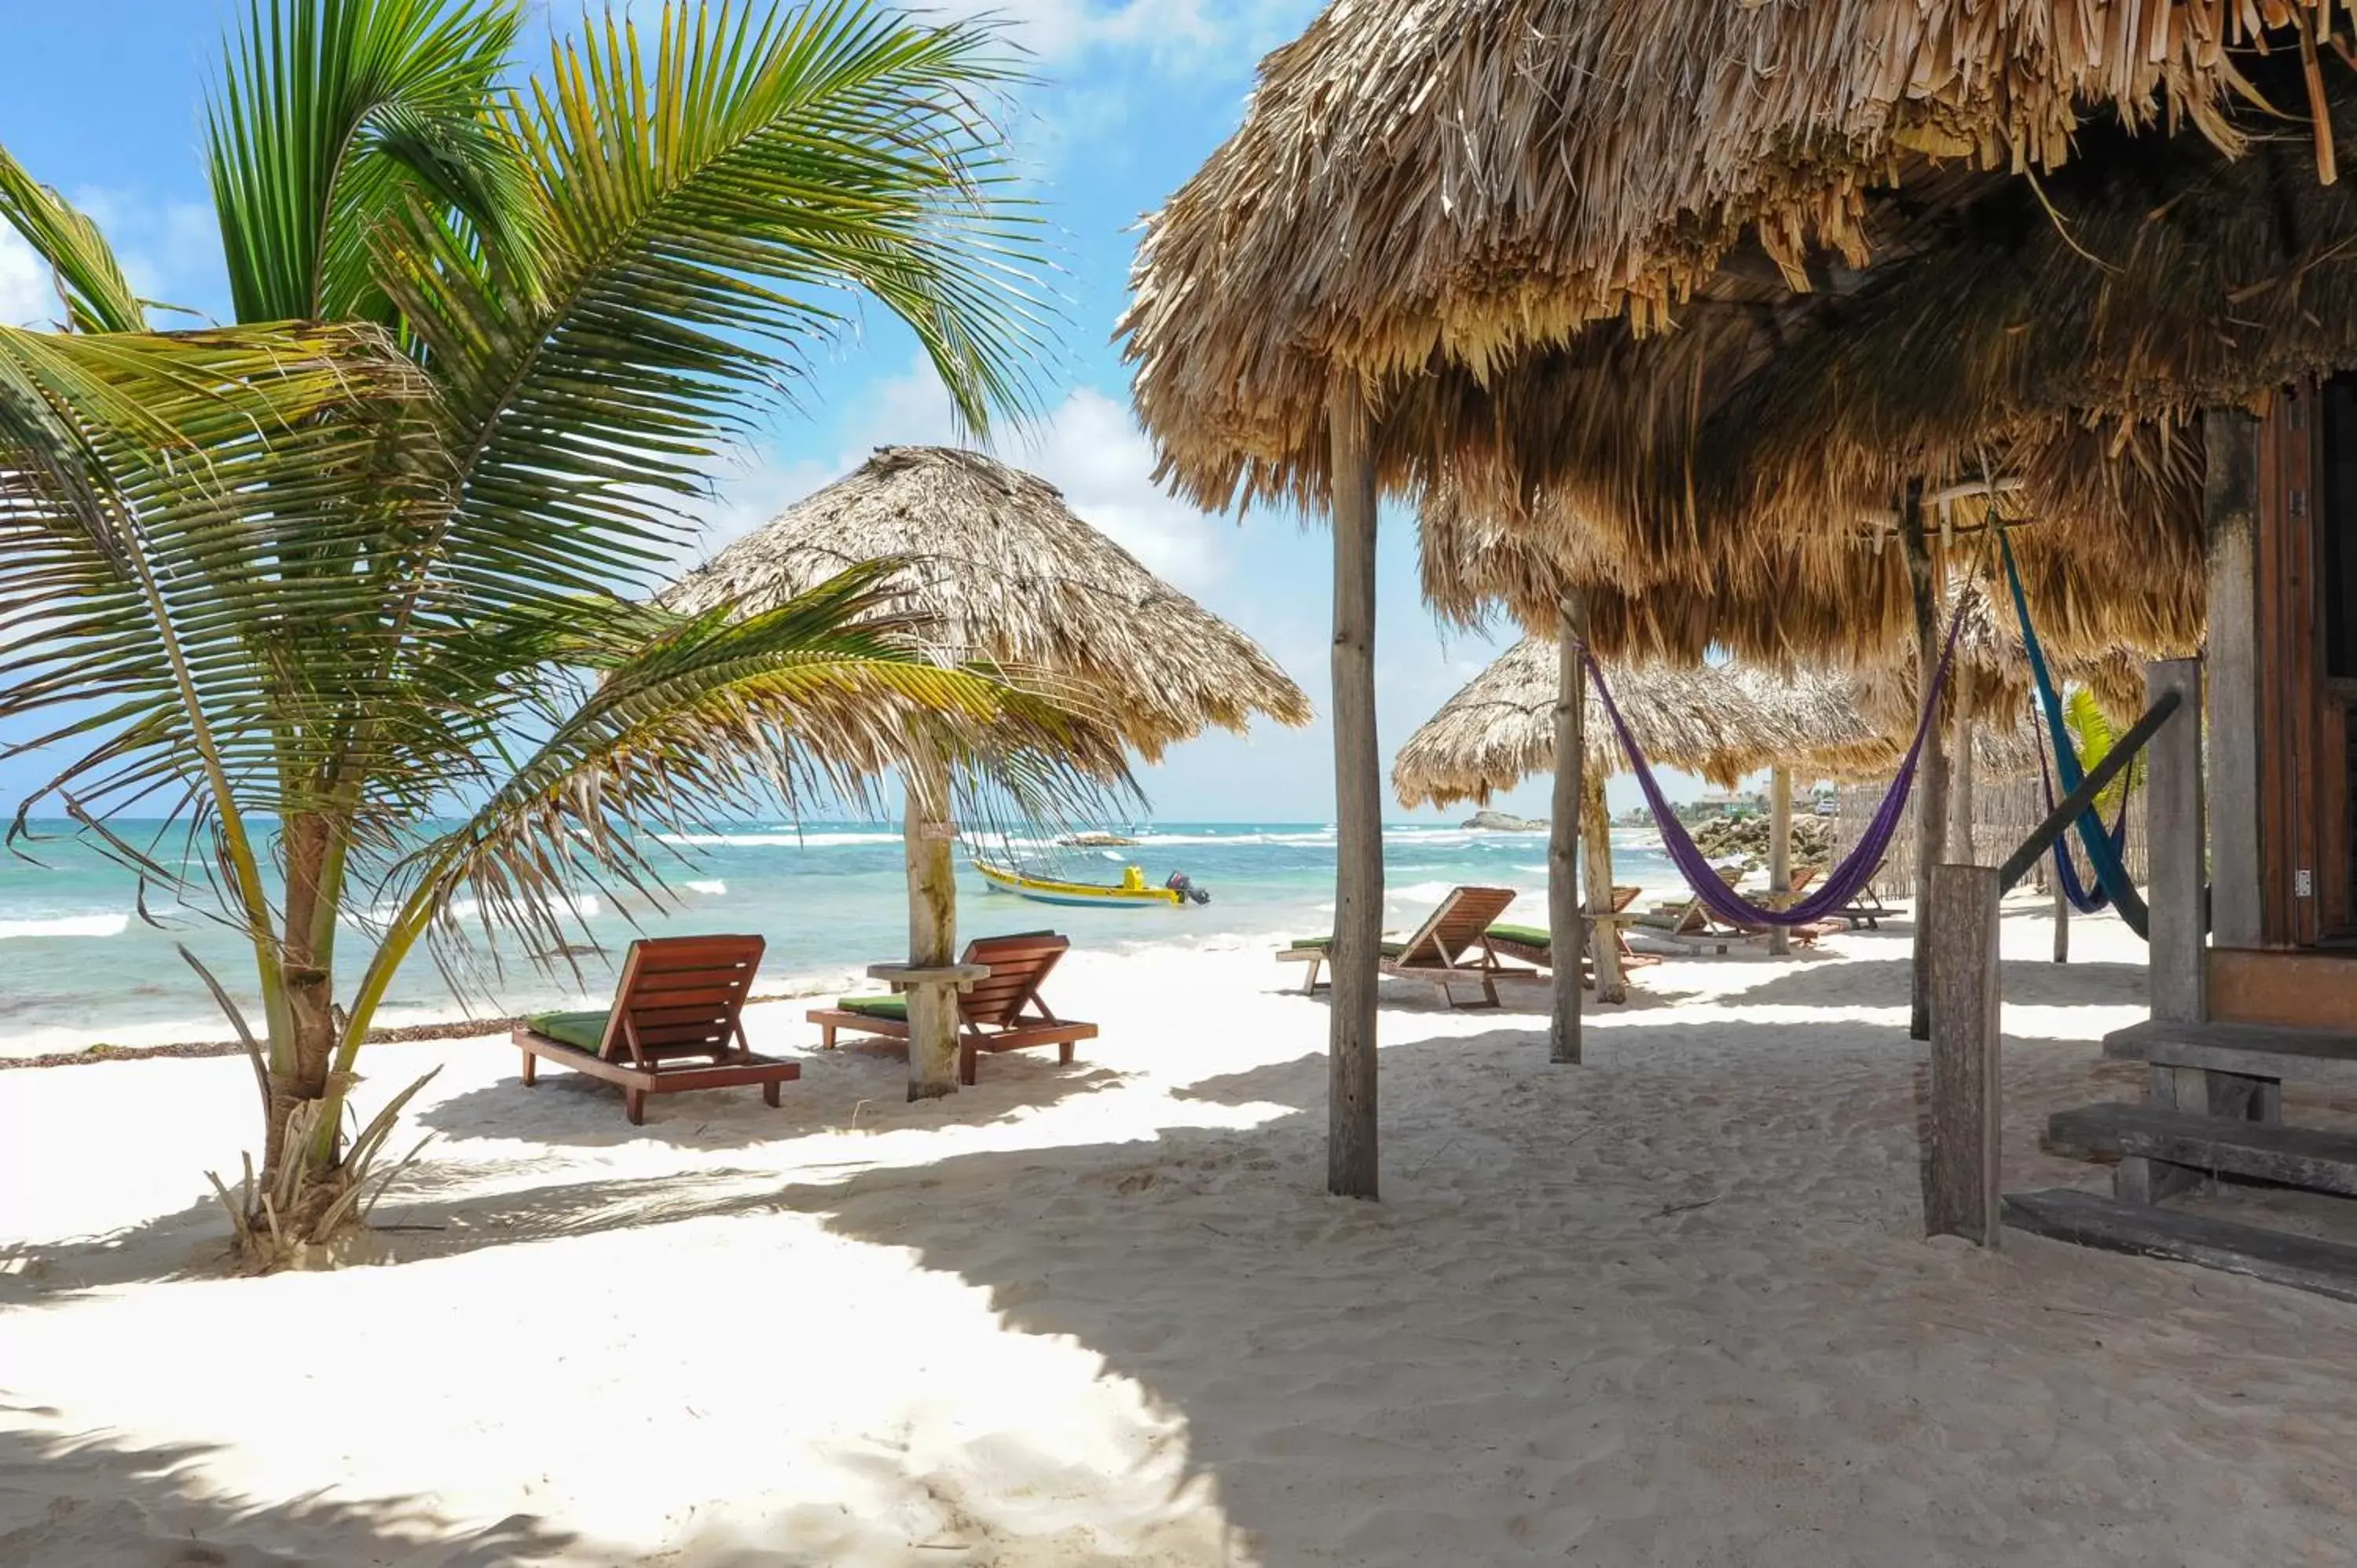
1529	936
586	1030
894	1007
1319	944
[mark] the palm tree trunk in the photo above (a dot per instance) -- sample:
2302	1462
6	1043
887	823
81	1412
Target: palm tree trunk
1604	945
1932	772
932	924
1350	1157
299	1062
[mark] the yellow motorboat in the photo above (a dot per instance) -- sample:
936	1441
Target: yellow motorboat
1134	893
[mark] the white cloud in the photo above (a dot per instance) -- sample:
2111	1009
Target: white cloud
27	297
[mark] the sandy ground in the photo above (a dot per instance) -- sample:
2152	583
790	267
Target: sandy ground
1669	1307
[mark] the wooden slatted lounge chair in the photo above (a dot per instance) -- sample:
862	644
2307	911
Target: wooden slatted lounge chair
678	997
991	1014
1452	947
1866	910
1530	943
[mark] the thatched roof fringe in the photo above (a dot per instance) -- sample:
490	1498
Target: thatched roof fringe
997	566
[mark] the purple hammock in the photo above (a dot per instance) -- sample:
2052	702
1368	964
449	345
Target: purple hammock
1843	882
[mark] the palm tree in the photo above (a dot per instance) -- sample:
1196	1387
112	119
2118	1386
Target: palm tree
370	553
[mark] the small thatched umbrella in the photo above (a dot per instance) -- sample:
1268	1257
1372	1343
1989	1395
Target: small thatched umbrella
1002	570
1721	721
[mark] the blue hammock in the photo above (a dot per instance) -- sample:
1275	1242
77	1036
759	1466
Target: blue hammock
2102	850
2086	900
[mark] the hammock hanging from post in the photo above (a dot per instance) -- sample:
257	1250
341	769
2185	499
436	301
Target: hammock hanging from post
2103	854
1843	882
2085	901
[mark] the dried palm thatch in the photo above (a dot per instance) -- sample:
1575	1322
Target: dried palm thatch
1721	721
998	568
1781	606
1421	191
2063	332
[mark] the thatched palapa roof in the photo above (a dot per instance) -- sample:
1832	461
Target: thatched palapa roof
1691	290
1001	569
1722	721
1419	185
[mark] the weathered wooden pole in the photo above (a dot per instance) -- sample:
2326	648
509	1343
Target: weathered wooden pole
1932	771
1963	843
927	840
1350	1157
1780	850
1604	943
2061	922
1960	1166
2174	846
1564	928
2229	504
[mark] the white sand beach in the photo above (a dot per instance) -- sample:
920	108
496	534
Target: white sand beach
1672	1306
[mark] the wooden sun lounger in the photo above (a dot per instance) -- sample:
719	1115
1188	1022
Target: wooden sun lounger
1531	944
990	1015
1452	947
678	997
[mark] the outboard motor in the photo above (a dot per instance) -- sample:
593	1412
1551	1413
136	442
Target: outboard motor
1184	885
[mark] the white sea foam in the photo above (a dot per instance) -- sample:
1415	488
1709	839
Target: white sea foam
67	926
714	887
785	839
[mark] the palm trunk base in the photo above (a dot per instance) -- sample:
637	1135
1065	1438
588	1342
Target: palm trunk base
301	1212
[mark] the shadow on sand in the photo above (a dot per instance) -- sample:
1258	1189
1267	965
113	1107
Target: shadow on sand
101	1501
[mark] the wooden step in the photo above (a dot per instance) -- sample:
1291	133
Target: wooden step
2253	1050
2091	1220
2296	1157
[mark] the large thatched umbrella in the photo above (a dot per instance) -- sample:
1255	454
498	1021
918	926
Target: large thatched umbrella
1721	721
1001	569
1443	240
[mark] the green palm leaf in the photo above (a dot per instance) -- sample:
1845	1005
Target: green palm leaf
91	284
336	116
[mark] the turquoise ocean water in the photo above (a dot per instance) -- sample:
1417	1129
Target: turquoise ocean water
78	964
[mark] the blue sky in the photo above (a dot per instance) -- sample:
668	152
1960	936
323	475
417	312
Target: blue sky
102	100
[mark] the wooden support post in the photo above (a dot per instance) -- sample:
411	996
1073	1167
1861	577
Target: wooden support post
927	839
1960	1179
2229	506
1565	931
1604	943
1963	843
1932	772
1350	1157
2062	923
2174	846
1780	850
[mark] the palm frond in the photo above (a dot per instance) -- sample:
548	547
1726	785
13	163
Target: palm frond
710	213
716	716
334	116
90	282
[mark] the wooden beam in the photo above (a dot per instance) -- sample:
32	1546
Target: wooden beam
1932	772
1960	1179
2229	506
1350	1157
1604	943
2174	846
2062	923
927	843
1564	934
1780	850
